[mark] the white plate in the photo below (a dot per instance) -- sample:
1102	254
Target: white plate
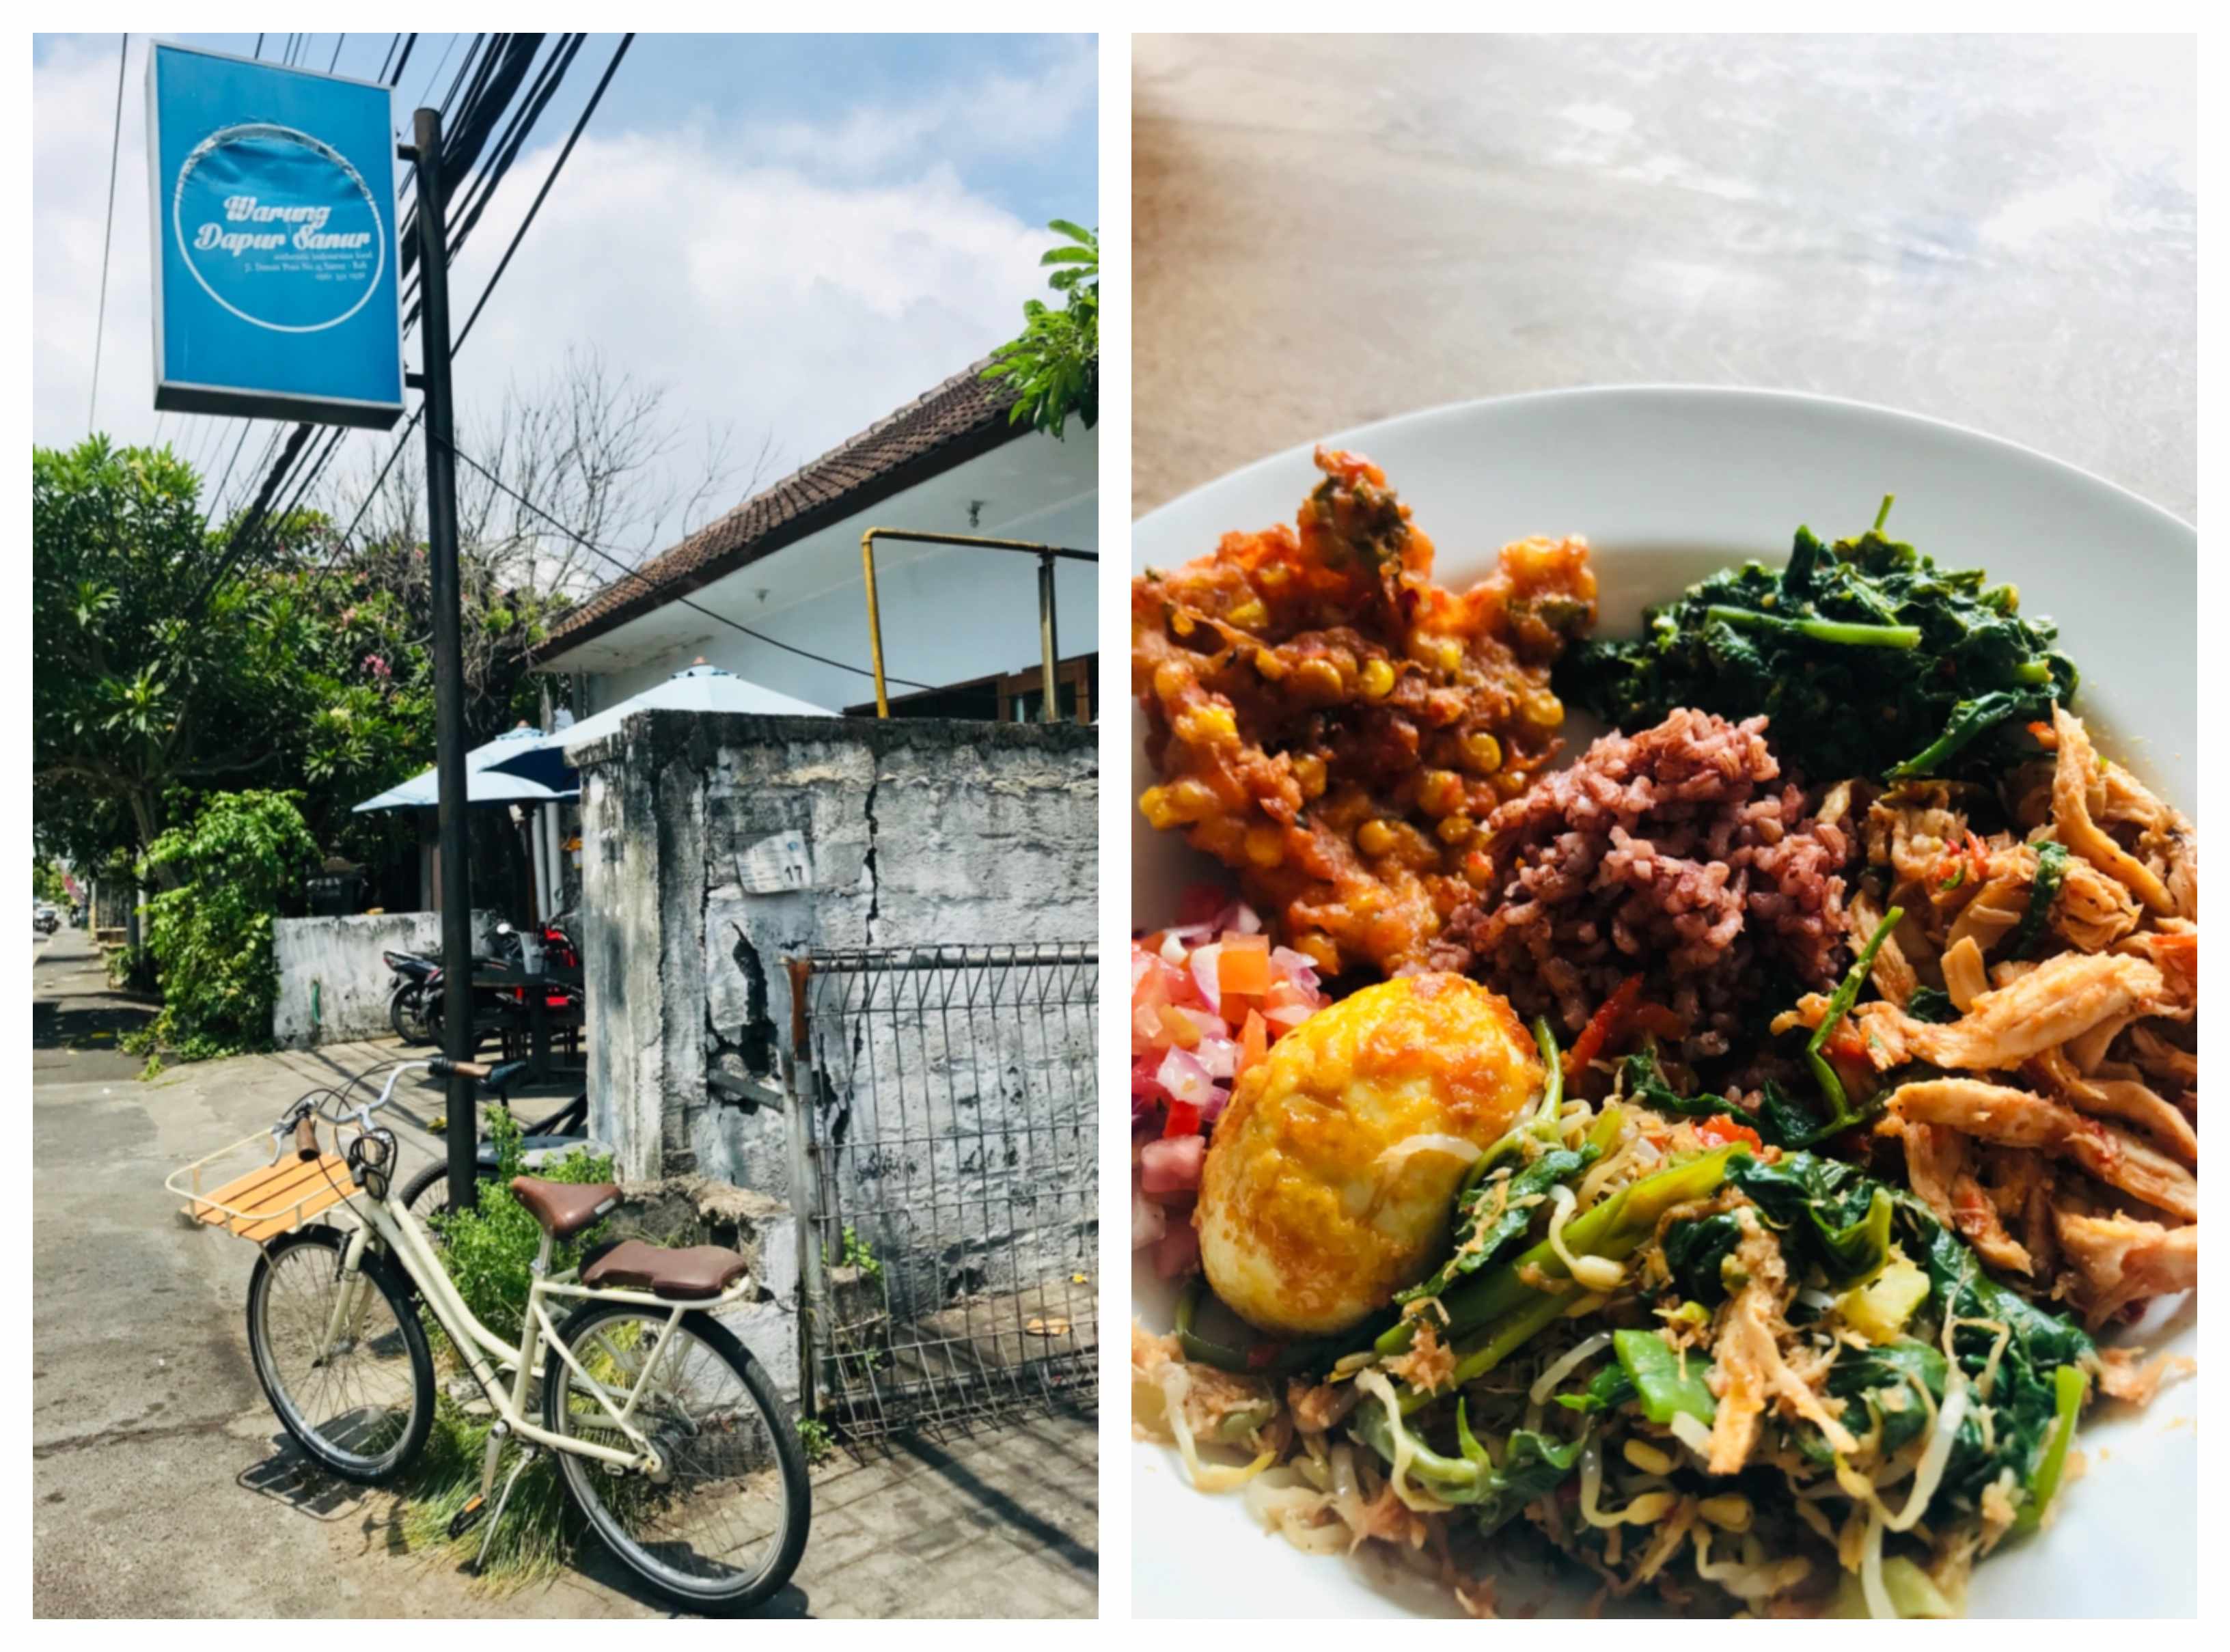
1668	483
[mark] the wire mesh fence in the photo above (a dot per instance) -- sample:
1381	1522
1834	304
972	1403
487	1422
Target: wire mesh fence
953	1216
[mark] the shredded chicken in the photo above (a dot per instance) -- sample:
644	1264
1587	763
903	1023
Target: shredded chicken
2023	1118
2123	1260
2125	1374
2062	998
2079	790
1428	1362
2116	1093
1965	977
1750	1371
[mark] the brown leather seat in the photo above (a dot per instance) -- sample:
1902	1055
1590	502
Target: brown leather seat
689	1275
565	1207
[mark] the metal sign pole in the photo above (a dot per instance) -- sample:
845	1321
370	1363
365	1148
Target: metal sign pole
457	1031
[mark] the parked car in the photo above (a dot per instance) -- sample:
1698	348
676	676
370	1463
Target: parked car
44	918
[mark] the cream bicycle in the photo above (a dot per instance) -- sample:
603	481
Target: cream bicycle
670	1438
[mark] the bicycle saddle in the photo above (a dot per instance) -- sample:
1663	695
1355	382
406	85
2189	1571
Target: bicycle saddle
689	1275
565	1207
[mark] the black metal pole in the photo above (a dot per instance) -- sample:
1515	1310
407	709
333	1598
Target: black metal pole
457	1039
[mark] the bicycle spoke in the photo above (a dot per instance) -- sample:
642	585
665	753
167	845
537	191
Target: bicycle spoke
355	1395
717	1516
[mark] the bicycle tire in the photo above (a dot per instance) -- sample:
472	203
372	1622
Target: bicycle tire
581	1481
435	1175
397	1459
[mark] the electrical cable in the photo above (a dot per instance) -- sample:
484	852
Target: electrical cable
108	233
348	534
557	166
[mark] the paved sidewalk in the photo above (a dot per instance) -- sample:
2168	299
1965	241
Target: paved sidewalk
162	1485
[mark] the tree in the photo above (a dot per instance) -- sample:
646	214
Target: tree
171	662
1055	366
584	446
47	882
148	673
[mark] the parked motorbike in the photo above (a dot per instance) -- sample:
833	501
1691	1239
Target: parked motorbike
416	1002
406	1000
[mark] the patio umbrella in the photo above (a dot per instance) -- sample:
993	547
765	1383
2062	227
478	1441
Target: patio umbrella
698	687
484	782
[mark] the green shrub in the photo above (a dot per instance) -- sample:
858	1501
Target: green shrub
490	1250
820	1444
244	854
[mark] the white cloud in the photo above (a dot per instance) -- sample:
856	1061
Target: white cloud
998	113
767	289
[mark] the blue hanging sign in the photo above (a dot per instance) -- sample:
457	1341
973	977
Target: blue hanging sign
276	280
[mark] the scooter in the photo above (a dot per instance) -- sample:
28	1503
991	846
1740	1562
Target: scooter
406	1002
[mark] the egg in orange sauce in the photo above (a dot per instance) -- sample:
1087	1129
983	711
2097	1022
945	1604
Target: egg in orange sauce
1312	1213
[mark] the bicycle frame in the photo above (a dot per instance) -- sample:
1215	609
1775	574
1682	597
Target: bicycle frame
487	1356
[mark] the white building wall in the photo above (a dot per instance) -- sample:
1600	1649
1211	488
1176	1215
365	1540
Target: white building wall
948	614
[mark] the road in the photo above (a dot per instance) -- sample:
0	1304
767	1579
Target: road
163	1487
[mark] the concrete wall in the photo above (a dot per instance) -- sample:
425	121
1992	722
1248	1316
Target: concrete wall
713	847
913	832
333	983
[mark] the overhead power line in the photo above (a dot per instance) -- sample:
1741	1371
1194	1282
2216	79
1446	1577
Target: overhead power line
427	89
633	573
108	234
348	534
542	194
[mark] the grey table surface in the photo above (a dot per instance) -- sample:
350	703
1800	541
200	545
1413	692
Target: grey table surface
1997	232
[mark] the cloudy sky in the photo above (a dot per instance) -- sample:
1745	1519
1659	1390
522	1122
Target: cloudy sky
791	235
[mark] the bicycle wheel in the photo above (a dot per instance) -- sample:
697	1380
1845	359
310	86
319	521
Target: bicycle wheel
426	1195
360	1405
723	1525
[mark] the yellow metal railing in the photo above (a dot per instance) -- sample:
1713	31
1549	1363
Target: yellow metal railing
1048	646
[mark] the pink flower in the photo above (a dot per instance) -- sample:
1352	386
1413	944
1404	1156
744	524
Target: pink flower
377	666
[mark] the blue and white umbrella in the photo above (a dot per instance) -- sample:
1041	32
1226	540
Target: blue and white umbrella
698	687
484	782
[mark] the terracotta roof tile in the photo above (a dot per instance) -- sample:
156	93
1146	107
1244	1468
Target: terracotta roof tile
963	417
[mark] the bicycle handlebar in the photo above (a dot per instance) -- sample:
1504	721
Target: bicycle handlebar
306	1137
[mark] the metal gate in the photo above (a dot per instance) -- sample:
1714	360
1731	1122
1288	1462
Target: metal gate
947	1178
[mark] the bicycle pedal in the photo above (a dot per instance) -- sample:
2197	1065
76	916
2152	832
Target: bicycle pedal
468	1516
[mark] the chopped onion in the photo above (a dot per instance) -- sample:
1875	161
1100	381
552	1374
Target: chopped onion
1172	1165
1177	1251
1219	1054
1205	973
1547	1383
1400	1153
1185	1077
1239	918
1148	1219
